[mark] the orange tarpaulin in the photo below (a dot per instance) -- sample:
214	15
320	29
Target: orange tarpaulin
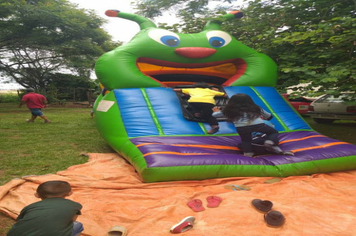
112	194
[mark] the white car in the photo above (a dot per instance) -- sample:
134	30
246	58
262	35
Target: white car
328	108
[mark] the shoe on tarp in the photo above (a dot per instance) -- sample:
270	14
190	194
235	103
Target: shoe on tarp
274	219
262	205
117	231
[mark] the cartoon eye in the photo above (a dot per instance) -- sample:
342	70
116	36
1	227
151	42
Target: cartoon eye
218	39
164	37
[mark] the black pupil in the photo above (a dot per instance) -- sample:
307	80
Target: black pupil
216	43
171	42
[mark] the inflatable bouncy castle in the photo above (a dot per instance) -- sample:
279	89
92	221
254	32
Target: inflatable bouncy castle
148	124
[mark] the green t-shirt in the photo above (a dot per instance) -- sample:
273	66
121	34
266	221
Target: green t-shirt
49	217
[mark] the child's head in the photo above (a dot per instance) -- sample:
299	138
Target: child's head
55	188
241	99
241	104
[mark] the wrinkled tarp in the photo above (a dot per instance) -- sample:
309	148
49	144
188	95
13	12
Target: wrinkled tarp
112	194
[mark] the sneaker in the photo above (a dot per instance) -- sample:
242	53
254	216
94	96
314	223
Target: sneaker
213	129
29	121
269	145
289	153
184	225
249	154
46	121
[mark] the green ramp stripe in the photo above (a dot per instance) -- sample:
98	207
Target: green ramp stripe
295	110
269	107
202	127
152	112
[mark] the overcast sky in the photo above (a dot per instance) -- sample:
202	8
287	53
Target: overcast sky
118	28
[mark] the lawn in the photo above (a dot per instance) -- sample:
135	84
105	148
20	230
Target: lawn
39	148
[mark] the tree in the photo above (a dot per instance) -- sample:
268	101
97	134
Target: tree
312	41
318	50
39	38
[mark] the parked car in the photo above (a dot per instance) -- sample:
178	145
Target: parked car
329	108
301	104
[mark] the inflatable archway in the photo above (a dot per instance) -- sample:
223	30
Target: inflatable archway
140	115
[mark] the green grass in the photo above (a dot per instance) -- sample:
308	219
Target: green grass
343	130
38	148
8	97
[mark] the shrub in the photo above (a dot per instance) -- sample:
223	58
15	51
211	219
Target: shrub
9	98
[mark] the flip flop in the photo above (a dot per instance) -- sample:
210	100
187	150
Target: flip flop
196	205
262	206
184	225
274	219
213	201
274	180
237	187
117	231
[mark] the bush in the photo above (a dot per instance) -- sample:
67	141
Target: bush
9	98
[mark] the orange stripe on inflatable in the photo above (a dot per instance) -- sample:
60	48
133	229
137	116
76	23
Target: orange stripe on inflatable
178	153
233	148
144	144
298	139
192	145
224	147
321	146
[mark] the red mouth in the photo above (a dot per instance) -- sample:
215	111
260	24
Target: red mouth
172	74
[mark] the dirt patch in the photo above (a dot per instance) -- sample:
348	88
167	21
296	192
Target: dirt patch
5	224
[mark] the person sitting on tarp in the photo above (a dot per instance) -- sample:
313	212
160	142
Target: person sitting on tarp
202	101
54	215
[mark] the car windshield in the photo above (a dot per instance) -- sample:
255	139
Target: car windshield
331	98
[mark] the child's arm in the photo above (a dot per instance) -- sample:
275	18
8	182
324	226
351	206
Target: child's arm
79	207
219	93
21	103
266	115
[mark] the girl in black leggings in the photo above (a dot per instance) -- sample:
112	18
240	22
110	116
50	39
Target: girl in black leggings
249	119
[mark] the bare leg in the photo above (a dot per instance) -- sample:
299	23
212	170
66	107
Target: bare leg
33	117
45	119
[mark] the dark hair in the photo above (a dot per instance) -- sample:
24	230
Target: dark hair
201	85
30	90
55	188
240	105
